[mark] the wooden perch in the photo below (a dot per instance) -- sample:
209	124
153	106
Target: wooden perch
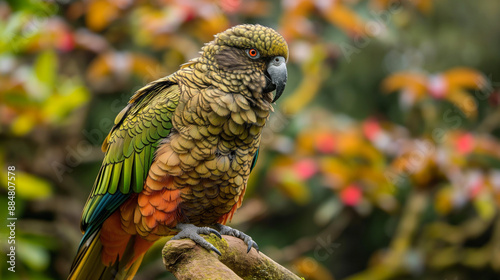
186	260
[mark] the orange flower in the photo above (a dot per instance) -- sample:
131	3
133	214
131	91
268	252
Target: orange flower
450	85
100	13
344	18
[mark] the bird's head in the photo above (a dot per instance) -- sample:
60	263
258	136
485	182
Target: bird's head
252	58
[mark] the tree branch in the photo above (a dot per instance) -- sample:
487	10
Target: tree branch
186	260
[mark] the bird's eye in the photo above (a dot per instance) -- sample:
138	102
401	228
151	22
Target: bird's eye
253	53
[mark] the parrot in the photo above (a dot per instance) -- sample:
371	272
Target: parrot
179	155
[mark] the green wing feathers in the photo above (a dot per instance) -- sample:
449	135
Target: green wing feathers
130	148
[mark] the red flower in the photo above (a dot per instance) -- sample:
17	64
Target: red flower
305	168
465	143
325	143
351	195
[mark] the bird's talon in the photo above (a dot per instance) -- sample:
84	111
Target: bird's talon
238	234
216	233
216	251
193	232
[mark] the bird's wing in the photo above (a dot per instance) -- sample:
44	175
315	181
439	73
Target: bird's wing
254	160
130	149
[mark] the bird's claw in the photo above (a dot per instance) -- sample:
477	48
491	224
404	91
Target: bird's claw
225	230
193	232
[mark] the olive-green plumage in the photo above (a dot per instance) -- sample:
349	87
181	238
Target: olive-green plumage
183	148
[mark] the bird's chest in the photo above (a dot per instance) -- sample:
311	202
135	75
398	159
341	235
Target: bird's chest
217	138
215	170
215	174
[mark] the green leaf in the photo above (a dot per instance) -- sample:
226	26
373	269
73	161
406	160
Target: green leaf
29	186
34	256
23	125
71	96
46	68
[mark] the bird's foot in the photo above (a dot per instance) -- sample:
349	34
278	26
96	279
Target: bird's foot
225	230
193	232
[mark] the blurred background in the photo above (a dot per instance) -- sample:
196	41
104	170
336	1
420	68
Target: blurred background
382	160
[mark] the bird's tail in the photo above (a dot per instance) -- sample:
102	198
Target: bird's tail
118	259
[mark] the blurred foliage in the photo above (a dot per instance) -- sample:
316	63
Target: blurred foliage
382	160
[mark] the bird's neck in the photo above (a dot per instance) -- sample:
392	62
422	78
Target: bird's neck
202	72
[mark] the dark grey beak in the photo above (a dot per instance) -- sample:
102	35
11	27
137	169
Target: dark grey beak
278	74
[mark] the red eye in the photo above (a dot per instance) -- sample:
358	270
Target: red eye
253	53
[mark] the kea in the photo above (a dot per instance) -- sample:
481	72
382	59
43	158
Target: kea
179	155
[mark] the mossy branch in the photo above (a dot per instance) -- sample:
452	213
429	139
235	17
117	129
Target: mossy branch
186	260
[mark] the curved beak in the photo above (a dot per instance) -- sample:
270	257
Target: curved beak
278	74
